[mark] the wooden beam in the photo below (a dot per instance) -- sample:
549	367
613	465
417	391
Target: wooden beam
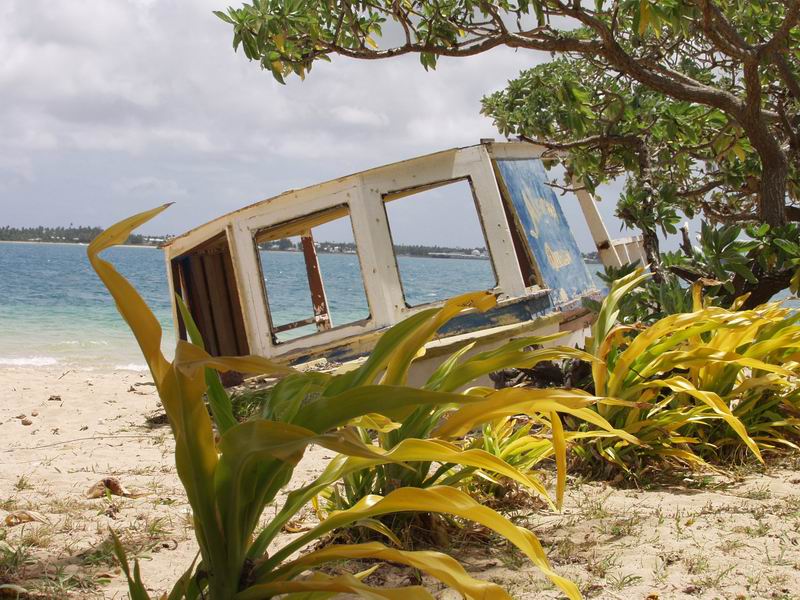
606	250
199	301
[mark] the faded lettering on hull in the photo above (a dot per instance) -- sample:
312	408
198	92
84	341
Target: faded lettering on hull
550	241
558	259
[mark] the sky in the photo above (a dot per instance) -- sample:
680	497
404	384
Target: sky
113	106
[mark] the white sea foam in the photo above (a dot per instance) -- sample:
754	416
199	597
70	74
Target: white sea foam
28	361
131	367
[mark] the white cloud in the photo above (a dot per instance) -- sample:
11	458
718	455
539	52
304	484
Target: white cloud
352	115
138	139
134	100
15	170
312	145
152	186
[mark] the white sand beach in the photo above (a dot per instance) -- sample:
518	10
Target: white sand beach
710	537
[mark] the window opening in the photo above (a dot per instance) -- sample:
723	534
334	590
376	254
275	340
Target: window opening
439	242
312	275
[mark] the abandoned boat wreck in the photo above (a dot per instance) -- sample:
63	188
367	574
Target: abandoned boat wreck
537	271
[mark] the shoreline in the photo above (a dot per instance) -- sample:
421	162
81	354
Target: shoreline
57	371
300	252
264	250
84	244
465	257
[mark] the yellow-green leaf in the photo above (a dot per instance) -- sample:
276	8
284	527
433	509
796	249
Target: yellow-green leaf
438	565
437	499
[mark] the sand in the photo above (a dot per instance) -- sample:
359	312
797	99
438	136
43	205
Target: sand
732	536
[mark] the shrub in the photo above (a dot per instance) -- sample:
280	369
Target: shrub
692	383
228	483
746	266
455	373
520	442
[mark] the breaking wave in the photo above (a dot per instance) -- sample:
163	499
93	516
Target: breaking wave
28	361
131	367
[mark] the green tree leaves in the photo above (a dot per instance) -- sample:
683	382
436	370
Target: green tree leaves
655	90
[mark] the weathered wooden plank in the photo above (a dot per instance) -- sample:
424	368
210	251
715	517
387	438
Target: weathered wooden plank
178	286
199	302
477	164
521	249
220	303
237	313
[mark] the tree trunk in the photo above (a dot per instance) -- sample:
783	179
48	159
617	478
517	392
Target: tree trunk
649	236
767	287
652	253
774	172
772	192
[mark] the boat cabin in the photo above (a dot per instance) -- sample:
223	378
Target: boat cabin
241	274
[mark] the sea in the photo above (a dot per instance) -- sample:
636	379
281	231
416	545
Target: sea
55	312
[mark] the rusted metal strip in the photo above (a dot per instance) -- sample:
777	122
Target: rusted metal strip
294	325
318	299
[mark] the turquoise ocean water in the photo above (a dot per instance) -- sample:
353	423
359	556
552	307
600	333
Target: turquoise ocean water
424	280
55	312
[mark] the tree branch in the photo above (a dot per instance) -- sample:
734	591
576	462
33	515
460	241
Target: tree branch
702	190
710	16
781	35
595	141
785	71
724	27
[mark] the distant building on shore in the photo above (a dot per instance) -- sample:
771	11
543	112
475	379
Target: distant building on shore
473	255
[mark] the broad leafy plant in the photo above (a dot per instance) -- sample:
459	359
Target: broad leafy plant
752	264
687	375
756	261
761	390
229	482
458	371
